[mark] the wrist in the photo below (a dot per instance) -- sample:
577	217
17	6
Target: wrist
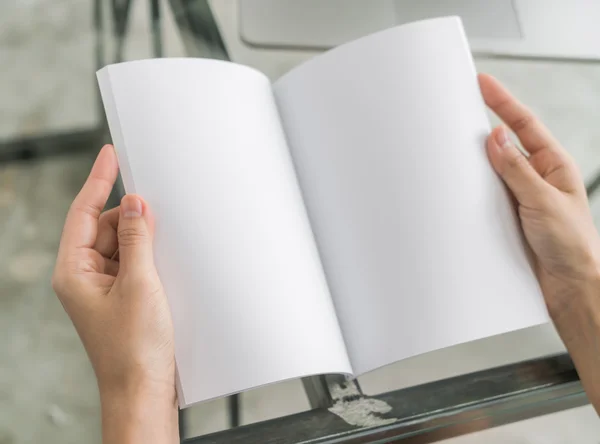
142	411
570	301
576	287
576	316
139	386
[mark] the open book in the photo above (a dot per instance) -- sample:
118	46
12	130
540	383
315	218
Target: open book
336	221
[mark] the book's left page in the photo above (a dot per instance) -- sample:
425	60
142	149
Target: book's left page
201	142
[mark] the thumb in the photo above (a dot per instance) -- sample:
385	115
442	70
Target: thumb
514	168
134	235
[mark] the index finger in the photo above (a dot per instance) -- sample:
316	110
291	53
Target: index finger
81	226
532	133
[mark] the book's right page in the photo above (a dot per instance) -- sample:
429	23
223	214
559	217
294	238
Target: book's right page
417	234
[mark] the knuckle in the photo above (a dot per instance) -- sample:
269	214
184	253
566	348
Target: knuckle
142	282
517	161
86	208
522	122
571	167
62	282
558	168
131	236
57	281
102	218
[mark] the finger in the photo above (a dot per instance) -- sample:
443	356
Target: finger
529	129
511	164
106	240
111	267
135	236
559	170
81	225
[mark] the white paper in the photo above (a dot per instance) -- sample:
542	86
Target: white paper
201	141
416	233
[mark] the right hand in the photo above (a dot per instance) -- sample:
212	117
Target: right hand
551	199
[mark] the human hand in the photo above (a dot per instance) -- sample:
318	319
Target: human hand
551	199
557	222
119	308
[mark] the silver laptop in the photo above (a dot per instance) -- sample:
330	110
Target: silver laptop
527	28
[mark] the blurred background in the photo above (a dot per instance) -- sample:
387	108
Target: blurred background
52	125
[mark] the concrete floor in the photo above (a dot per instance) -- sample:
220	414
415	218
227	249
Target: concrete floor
47	388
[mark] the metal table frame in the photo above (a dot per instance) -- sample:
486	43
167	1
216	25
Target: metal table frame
426	413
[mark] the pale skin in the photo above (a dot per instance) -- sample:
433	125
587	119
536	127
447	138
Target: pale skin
119	308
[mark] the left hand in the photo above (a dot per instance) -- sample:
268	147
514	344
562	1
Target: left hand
119	307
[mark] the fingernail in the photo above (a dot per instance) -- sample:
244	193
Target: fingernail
502	138
131	207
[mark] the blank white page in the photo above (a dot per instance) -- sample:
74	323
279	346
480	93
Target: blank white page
201	141
416	232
